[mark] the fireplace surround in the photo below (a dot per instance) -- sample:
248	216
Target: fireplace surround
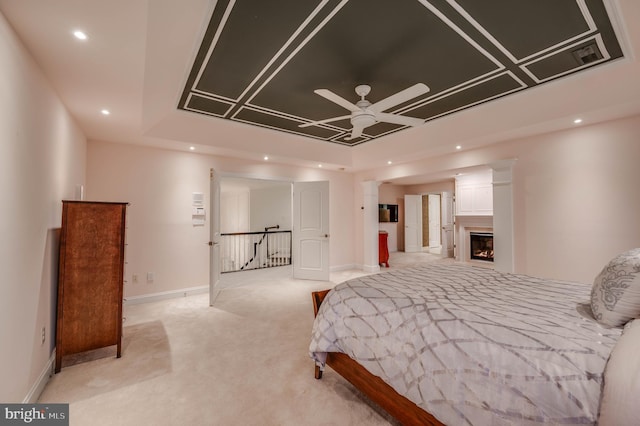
481	246
465	225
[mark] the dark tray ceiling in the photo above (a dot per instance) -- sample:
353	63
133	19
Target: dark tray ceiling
260	61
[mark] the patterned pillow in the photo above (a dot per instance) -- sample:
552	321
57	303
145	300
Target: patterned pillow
615	295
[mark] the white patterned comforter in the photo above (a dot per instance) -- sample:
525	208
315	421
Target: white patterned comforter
470	345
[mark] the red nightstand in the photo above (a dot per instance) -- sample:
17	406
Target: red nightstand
383	249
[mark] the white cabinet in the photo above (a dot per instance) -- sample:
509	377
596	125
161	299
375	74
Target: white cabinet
474	194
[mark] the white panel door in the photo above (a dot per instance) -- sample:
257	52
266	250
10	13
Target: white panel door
412	223
214	236
311	230
447	224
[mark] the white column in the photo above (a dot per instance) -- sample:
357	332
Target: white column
370	220
503	215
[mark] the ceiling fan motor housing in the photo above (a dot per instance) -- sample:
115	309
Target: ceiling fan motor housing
363	119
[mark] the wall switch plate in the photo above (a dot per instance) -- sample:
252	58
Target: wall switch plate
44	335
149	277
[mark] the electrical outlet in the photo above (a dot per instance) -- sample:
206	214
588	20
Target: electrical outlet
149	277
134	278
44	335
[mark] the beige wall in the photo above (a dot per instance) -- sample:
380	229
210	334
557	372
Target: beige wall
431	188
576	199
270	207
158	183
42	159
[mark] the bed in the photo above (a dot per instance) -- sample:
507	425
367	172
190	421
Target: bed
461	345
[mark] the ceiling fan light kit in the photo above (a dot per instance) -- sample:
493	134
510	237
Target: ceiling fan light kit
365	114
363	90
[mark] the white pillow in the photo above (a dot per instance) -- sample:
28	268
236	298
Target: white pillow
619	404
615	295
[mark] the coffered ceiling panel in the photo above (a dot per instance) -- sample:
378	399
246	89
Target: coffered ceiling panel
260	62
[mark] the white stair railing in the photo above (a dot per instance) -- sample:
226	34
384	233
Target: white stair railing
241	251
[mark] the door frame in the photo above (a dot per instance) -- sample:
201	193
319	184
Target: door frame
214	236
448	233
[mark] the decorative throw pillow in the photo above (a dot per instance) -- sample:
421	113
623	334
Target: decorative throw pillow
619	404
615	295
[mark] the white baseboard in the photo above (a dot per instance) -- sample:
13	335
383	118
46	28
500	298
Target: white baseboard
154	297
227	280
43	379
371	268
344	267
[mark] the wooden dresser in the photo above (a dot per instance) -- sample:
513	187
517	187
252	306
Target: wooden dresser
91	277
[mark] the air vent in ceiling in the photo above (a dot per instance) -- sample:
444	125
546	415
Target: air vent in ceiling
587	54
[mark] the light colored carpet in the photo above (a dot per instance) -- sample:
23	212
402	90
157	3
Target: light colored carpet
242	362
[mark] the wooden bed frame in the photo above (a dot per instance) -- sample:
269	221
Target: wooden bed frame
372	386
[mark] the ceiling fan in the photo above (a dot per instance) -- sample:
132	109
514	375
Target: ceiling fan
365	114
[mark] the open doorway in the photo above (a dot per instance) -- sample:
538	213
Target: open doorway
255	224
254	230
431	223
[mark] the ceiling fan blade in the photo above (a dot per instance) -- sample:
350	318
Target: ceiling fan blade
356	132
328	120
399	119
328	94
400	97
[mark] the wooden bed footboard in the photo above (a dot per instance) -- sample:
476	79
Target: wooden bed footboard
404	410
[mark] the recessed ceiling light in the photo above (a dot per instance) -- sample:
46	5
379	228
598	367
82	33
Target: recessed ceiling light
320	165
577	121
266	157
192	148
458	147
79	35
389	162
105	112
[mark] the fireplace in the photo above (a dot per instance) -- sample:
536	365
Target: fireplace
481	246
